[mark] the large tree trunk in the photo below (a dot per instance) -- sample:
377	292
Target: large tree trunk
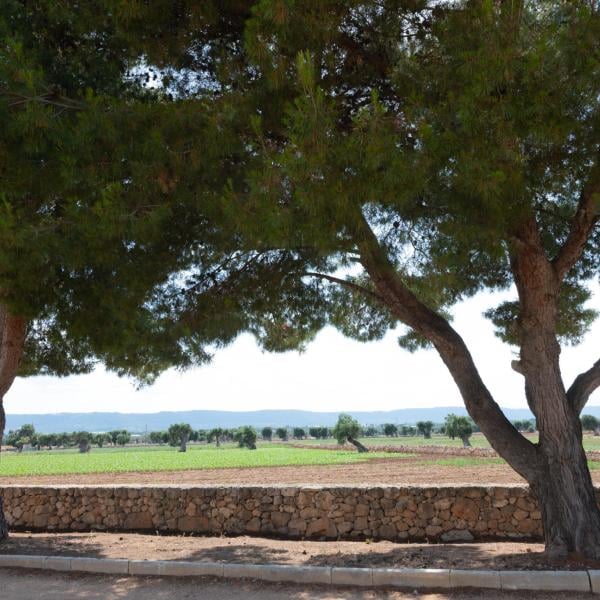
562	481
360	447
567	499
466	442
12	340
556	467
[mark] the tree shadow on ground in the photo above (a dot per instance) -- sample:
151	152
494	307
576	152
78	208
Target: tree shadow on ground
239	553
51	545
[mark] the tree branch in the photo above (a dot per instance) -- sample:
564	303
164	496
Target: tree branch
48	98
583	387
344	282
12	339
586	218
406	307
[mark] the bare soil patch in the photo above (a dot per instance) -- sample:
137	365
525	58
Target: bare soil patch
244	549
378	471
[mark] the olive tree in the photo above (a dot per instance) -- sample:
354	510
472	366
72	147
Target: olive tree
425	428
347	429
246	437
459	427
179	435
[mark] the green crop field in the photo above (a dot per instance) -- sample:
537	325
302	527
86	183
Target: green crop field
107	460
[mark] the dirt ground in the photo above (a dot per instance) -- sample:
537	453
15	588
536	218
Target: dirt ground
25	585
389	471
244	549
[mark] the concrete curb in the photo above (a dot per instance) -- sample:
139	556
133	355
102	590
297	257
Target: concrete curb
565	581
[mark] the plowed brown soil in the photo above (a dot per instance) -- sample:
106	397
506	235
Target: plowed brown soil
392	471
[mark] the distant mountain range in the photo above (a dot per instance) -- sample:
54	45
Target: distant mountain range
207	419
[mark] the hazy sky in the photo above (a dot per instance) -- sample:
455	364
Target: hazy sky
333	374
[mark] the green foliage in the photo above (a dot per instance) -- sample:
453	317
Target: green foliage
370	431
179	435
228	196
458	427
589	423
346	428
215	435
83	439
21	437
390	430
267	433
425	428
123	438
292	125
524	425
117	434
282	433
246	437
299	433
319	433
157	437
100	439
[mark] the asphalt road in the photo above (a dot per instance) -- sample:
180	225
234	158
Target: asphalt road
19	584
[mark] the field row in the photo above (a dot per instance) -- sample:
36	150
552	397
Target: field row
108	460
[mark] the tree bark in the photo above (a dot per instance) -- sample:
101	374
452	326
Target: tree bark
561	480
360	447
565	492
183	444
12	340
466	442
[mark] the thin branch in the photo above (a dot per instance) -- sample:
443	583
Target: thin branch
586	218
51	99
583	387
344	282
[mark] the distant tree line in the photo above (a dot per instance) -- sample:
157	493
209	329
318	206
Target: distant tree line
347	429
84	440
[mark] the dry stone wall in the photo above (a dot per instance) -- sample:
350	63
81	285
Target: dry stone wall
318	512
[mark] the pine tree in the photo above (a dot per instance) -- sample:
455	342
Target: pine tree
86	155
429	150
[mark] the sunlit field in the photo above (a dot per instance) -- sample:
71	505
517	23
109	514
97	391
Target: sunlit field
119	460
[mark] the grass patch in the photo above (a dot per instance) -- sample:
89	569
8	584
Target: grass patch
110	460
